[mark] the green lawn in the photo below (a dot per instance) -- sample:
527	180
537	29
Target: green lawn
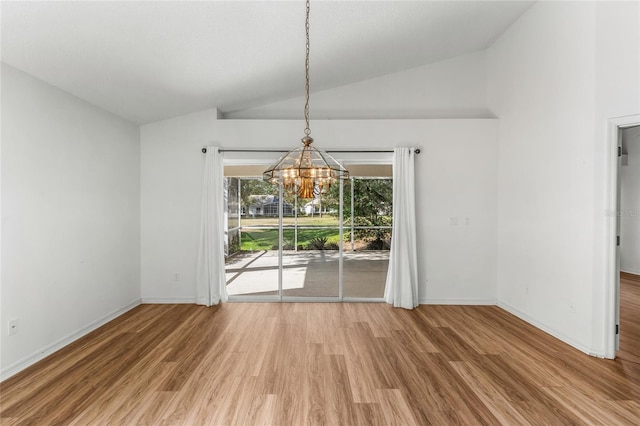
325	220
267	239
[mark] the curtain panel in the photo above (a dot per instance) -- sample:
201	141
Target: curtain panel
211	281
401	289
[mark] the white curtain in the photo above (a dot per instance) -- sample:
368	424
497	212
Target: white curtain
401	289
211	283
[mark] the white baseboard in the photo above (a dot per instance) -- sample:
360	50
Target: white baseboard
40	354
629	271
481	302
169	300
548	330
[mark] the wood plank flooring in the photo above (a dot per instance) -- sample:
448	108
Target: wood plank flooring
332	364
629	318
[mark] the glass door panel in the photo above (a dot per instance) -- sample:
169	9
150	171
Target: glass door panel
367	229
253	274
232	217
254	269
310	269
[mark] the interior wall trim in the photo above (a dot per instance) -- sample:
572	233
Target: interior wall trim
44	352
169	300
470	302
549	330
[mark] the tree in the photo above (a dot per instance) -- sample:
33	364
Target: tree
249	187
373	206
331	198
373	198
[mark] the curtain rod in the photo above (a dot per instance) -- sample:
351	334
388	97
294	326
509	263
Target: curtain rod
204	150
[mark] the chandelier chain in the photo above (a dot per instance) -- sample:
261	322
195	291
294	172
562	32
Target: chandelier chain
306	171
307	130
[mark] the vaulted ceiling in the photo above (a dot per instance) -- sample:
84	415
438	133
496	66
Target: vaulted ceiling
147	60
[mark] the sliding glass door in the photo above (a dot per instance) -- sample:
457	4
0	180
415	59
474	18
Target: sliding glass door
367	226
330	248
253	269
311	248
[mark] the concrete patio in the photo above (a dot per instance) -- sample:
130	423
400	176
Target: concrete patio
312	273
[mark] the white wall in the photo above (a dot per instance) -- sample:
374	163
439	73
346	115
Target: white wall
70	218
455	88
554	78
630	203
456	176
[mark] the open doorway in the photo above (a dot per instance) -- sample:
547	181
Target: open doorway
629	248
611	242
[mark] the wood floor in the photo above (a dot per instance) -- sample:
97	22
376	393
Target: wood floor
629	318
333	364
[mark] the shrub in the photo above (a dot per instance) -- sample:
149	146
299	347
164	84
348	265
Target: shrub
331	246
317	243
370	235
286	245
378	245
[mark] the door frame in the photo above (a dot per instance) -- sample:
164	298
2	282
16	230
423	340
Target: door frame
612	250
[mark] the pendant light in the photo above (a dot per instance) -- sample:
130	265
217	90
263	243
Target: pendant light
306	171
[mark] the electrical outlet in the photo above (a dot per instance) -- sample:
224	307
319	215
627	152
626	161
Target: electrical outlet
13	326
176	277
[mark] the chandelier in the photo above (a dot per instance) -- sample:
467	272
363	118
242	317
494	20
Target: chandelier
306	171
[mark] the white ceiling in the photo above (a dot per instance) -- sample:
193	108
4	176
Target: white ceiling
147	61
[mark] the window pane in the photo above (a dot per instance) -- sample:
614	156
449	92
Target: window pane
370	225
312	270
260	202
233	205
252	273
365	273
253	270
367	233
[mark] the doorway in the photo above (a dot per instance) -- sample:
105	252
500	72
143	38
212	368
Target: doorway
334	247
612	240
628	217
